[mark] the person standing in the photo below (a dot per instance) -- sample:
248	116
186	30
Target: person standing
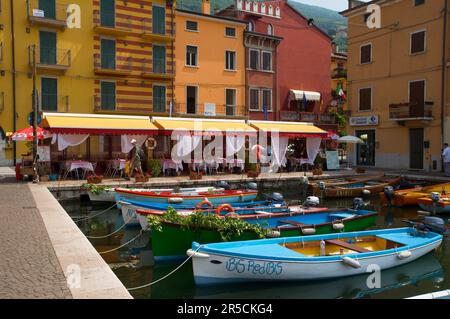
135	163
446	159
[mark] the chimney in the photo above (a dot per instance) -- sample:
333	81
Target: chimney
206	7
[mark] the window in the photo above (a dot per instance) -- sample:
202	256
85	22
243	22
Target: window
192	25
108	13
365	99
267	99
254	99
250	26
230	101
47	49
49	94
159	98
108	95
267	61
108	52
112	143
270	29
230	60
230	32
366	53
254	59
191	55
49	8
418	42
418	2
159	59
159	20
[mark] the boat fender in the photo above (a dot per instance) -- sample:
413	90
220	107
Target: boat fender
175	200
273	234
404	254
351	262
308	231
366	192
203	203
224	207
323	251
193	253
338	226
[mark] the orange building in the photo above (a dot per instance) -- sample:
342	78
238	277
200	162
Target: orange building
210	65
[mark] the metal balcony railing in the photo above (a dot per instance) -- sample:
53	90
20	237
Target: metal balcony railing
411	111
1	52
149	29
156	68
54	103
219	110
112	20
113	62
39	12
50	57
339	73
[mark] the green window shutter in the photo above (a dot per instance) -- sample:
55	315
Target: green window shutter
108	13
159	20
108	51
108	93
49	94
159	59
47	47
159	98
49	8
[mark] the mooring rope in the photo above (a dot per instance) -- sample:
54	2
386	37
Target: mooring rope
168	275
109	235
121	246
96	215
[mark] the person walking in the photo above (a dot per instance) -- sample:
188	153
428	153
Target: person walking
135	162
446	159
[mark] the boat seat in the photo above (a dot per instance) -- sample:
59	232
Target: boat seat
347	245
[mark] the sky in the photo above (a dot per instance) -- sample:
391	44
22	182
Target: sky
336	5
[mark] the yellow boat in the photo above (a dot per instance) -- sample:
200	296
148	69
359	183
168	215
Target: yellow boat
410	197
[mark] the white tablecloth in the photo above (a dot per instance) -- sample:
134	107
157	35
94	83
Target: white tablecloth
73	165
231	163
119	164
169	164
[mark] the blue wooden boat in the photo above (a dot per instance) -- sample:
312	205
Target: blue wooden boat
309	257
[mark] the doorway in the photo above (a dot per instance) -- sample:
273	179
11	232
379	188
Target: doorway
191	100
365	153
417	99
416	149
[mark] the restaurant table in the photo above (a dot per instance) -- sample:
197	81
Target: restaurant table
170	164
76	165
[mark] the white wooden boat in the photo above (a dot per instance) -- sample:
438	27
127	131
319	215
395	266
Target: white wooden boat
445	294
309	257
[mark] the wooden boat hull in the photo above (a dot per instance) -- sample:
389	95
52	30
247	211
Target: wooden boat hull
346	181
109	195
410	197
269	260
187	198
442	207
173	241
342	192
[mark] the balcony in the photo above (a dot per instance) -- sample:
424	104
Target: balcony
52	17
157	70
125	104
2	102
307	117
112	24
54	103
411	112
161	35
339	73
50	59
210	110
112	64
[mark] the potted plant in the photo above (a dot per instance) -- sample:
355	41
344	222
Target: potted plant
154	167
253	170
94	179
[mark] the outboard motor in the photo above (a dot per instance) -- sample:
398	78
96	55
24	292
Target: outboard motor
435	224
358	203
304	180
312	201
223	184
435	197
252	186
322	186
277	197
389	192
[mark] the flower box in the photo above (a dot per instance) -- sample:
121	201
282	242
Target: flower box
360	170
94	179
253	174
195	176
142	179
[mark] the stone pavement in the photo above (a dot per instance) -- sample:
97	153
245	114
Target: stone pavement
29	267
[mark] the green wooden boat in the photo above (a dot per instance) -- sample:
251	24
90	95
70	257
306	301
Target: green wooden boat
174	240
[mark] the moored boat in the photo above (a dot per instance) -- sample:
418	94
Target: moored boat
441	206
355	189
309	257
410	197
173	239
345	181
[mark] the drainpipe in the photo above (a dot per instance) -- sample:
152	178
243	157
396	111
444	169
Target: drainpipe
444	73
173	58
13	77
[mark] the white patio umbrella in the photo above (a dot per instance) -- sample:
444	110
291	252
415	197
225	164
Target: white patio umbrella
349	139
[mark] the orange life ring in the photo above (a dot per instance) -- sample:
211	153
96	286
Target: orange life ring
225	207
203	203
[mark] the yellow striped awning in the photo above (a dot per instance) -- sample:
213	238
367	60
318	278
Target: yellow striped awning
203	126
290	129
68	123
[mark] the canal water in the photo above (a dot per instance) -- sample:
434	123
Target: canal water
133	264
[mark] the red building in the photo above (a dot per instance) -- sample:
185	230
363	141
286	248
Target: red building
300	63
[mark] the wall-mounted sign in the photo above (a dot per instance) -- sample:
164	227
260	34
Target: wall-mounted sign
38	13
364	120
210	109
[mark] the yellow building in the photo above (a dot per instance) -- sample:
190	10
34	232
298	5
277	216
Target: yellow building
119	60
339	80
395	84
210	65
